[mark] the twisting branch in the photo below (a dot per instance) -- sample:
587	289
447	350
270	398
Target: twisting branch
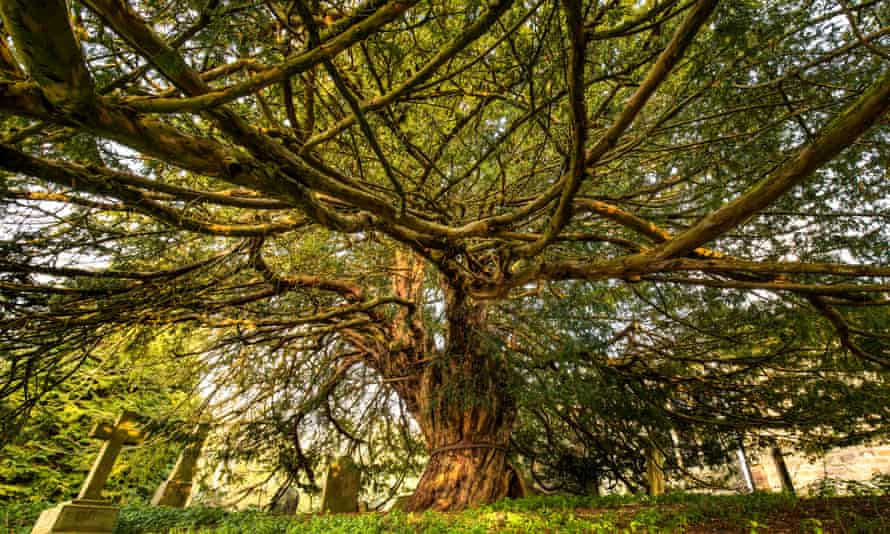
43	37
300	63
578	115
844	332
448	52
354	105
832	139
119	186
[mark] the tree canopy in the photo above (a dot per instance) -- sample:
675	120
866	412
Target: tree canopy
462	217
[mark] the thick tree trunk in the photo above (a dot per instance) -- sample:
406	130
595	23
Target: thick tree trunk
456	479
466	412
458	394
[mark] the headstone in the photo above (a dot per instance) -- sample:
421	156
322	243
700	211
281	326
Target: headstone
745	469
89	513
175	491
342	487
401	502
287	504
655	471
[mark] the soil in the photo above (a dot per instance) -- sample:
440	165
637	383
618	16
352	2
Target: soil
841	515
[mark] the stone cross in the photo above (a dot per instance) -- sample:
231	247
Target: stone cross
342	487
175	491
88	513
116	435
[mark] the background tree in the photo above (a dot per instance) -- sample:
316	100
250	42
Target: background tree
352	200
696	383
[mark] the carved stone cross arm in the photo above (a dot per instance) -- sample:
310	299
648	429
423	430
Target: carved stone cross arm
122	432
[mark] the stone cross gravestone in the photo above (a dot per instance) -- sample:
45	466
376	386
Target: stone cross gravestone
342	487
89	513
175	491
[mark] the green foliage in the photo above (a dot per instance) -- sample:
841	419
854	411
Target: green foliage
49	456
19	517
137	519
267	222
668	514
879	484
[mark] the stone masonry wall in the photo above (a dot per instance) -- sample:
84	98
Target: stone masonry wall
858	463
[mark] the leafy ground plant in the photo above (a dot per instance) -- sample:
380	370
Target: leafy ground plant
670	514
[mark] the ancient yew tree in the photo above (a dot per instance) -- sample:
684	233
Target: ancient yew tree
435	200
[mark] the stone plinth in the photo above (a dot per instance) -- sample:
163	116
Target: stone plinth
89	513
173	493
80	516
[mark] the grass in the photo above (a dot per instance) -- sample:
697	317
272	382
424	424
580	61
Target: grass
673	513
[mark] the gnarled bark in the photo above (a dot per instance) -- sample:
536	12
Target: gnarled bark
466	412
51	53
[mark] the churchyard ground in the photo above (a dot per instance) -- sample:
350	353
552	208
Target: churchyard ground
759	513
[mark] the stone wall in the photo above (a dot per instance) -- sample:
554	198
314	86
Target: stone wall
858	463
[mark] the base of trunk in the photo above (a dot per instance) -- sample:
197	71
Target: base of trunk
457	479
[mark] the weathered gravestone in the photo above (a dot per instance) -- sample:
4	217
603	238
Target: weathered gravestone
175	491
342	487
401	502
89	513
287	503
758	478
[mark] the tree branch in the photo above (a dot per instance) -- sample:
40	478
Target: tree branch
44	40
833	139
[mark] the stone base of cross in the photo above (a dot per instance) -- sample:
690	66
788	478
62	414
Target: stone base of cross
80	516
89	513
173	493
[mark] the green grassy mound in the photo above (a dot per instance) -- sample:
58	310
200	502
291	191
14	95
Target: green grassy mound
674	513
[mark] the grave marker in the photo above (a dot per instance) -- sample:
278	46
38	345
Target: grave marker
175	491
288	503
89	513
342	487
401	502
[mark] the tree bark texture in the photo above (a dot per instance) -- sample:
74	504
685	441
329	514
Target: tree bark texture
466	413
